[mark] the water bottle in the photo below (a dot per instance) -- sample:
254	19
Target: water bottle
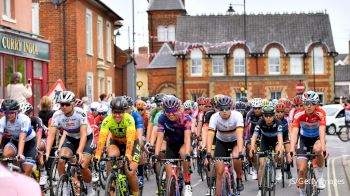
140	182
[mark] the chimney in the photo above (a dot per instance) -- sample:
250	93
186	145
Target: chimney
143	50
183	1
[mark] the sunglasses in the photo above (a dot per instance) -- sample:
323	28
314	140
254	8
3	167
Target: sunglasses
119	112
279	111
256	108
171	111
300	105
208	106
201	104
102	113
187	109
268	115
140	110
309	103
10	113
93	110
65	104
225	108
158	103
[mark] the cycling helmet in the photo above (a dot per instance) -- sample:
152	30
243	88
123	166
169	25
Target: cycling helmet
297	100
159	97
10	105
94	105
200	100
103	108
215	99
207	101
119	103
279	107
195	106
243	99
140	104
129	100
78	103
288	103
257	103
224	101
269	109
240	105
26	107
187	105
265	102
310	96
66	97
274	102
171	102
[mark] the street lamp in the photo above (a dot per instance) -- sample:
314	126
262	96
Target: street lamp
139	84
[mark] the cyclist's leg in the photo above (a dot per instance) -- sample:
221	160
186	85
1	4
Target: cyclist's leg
132	177
301	163
187	175
10	150
30	153
237	163
220	151
87	153
317	150
113	150
172	152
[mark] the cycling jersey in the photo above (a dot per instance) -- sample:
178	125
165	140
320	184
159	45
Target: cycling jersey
37	126
174	131
155	122
347	113
123	132
226	128
138	120
200	117
21	125
145	118
71	124
251	120
309	125
152	114
268	131
207	116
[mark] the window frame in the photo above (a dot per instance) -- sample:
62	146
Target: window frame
237	55
222	65
316	58
293	65
109	41
272	56
99	37
89	32
321	98
196	56
90	96
161	34
274	94
170	34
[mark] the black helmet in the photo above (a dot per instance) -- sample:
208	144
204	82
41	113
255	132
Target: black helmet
243	99
129	100
240	105
269	109
10	105
159	97
119	103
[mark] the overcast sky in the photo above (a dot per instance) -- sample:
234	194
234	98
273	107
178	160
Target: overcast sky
338	11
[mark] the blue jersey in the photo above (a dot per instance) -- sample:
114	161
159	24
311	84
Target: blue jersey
138	120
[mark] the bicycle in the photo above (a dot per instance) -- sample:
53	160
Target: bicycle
117	182
71	181
11	166
228	186
267	182
344	133
311	185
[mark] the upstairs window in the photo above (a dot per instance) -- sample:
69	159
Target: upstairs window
318	60
296	64
196	62
100	37
239	62
171	33
109	42
218	65
274	61
161	33
89	32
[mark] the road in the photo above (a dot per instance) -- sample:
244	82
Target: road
336	184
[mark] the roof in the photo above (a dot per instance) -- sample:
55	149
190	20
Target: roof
166	5
164	58
141	61
110	12
342	73
340	57
293	31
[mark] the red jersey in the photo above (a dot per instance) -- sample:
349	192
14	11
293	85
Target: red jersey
310	125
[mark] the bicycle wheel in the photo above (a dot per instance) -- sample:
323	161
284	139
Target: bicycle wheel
53	177
172	188
263	180
233	182
212	181
272	181
344	134
226	185
111	185
61	189
283	167
161	180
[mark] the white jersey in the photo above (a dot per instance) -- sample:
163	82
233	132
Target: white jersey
71	124
229	126
22	124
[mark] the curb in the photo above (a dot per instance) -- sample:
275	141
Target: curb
346	166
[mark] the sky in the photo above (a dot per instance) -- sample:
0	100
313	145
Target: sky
338	11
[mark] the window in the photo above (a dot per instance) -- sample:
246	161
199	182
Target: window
161	33
274	61
239	62
38	69
171	33
321	97
99	37
108	42
276	95
196	62
90	86
109	85
35	18
218	65
195	96
296	64
239	95
318	60
7	8
89	32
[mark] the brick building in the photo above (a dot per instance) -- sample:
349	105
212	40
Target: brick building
83	54
22	49
280	52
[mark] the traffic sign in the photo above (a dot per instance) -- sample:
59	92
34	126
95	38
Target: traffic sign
55	90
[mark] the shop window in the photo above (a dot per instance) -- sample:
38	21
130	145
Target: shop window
9	68
276	95
21	67
38	70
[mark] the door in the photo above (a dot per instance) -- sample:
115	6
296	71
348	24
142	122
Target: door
37	84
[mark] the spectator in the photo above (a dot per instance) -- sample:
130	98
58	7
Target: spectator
346	106
17	91
46	111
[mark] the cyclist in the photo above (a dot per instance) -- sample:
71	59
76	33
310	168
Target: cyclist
310	122
22	143
297	105
346	106
241	107
151	134
284	123
175	127
141	109
123	139
270	131
201	109
252	119
93	108
228	125
77	136
102	111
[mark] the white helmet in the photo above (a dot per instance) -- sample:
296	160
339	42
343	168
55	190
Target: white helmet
187	105
66	97
94	105
311	96
103	108
274	102
257	103
26	107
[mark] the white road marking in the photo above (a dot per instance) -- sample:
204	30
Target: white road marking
199	181
328	184
335	184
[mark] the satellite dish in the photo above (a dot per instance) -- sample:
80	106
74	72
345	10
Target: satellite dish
57	2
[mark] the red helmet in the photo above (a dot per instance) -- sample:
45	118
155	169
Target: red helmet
280	107
288	103
200	100
298	100
207	101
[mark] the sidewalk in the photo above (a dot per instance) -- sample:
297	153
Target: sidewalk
346	166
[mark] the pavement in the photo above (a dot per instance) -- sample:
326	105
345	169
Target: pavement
346	166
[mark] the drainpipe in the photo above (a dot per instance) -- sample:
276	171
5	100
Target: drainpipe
183	77
64	45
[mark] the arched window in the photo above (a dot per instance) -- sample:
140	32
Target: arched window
318	60
239	61
161	33
171	33
274	61
196	62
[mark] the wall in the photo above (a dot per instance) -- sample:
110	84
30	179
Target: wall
21	13
141	75
161	78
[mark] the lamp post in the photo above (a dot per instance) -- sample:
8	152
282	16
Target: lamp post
139	84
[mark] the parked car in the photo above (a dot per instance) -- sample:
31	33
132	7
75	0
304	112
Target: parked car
335	117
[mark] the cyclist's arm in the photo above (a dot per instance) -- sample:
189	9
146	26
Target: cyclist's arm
50	139
149	131
62	139
102	138
257	132
188	123
280	137
154	135
210	138
322	130
160	137
294	138
199	128
39	135
130	139
21	142
204	134
240	131
140	133
83	138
